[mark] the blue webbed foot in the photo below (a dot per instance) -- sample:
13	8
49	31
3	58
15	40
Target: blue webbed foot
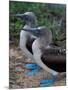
33	67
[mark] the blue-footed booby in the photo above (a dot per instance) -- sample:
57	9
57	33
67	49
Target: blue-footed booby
36	41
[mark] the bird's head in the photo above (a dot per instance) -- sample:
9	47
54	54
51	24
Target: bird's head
28	18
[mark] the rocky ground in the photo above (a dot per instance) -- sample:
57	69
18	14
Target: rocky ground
17	72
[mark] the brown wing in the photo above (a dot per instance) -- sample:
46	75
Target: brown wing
55	58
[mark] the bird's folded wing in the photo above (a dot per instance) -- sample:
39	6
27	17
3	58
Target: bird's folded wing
54	58
54	55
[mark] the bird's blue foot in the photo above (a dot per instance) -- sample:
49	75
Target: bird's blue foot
33	67
47	82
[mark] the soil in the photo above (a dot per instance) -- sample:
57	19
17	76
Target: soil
17	72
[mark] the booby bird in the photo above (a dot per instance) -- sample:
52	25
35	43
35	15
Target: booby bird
50	58
26	39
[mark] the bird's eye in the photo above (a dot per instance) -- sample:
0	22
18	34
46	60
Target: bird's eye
26	18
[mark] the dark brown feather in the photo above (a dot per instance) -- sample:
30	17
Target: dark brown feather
54	58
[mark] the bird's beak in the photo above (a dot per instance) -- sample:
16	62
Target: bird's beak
18	15
32	30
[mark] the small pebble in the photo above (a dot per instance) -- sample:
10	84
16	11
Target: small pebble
18	69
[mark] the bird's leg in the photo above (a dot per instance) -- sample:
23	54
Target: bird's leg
23	41
37	52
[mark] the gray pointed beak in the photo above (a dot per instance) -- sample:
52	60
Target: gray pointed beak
33	30
18	15
30	30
